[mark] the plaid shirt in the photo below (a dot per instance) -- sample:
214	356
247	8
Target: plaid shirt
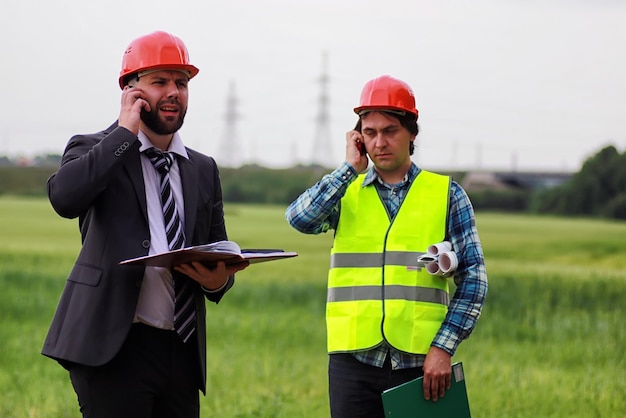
317	211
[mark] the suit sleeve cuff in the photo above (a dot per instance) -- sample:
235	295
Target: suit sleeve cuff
219	289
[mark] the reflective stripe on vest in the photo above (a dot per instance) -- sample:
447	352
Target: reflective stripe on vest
376	289
408	293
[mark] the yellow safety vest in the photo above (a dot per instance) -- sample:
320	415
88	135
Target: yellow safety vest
376	290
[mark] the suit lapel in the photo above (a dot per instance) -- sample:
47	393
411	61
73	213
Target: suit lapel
135	173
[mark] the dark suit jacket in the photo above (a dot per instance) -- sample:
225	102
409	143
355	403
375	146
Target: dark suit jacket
100	181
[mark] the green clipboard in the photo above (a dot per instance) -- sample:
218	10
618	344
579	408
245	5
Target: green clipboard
407	400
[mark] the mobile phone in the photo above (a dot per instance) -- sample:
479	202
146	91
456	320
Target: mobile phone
361	146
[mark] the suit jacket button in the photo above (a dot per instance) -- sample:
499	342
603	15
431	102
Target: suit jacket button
145	243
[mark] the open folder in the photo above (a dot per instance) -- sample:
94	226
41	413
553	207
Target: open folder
407	400
227	251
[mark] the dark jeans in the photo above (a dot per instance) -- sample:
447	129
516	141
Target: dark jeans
153	376
355	388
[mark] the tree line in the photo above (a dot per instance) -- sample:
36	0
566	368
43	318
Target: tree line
598	189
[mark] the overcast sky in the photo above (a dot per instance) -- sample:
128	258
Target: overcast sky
499	84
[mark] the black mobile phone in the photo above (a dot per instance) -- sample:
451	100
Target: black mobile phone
361	146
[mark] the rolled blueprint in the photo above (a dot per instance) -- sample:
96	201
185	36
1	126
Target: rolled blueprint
433	251
439	248
439	259
433	268
448	262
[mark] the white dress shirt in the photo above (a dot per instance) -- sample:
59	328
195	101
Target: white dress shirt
156	297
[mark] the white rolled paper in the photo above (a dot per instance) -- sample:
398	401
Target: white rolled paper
439	259
439	248
448	262
427	258
433	268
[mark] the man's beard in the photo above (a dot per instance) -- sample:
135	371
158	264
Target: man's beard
159	126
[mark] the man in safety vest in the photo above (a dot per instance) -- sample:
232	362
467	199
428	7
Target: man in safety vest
389	319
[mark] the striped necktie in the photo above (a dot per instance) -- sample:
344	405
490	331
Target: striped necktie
184	309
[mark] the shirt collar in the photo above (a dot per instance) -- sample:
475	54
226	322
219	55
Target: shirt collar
372	175
176	145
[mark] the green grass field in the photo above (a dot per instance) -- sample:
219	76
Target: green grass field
549	344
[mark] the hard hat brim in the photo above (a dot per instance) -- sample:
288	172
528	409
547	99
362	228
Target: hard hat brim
188	68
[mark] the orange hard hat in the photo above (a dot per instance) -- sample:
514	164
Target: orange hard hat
155	51
387	93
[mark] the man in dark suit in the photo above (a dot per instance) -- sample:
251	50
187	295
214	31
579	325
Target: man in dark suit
116	328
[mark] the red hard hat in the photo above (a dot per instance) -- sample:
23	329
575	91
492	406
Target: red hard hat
386	92
155	51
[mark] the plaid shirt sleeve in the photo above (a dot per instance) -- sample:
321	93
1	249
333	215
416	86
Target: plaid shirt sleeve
316	210
470	277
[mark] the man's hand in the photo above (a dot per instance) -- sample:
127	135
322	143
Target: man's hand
211	278
355	151
130	112
437	372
